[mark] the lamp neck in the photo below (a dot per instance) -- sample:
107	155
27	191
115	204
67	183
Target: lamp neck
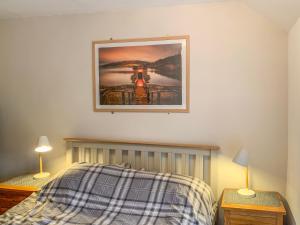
41	163
247	177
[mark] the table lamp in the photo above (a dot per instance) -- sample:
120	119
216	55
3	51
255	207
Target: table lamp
43	146
241	158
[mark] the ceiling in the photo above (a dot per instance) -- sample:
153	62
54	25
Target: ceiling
31	8
283	12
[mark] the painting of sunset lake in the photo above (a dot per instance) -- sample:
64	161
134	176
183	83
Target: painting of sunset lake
141	75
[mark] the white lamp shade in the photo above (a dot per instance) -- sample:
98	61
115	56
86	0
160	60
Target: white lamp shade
241	158
43	145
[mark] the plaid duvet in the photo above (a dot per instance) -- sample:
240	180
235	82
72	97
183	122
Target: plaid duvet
103	194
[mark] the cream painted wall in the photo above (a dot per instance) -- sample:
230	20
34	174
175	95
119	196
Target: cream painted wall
293	178
238	87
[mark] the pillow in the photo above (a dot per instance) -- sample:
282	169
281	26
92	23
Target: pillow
124	165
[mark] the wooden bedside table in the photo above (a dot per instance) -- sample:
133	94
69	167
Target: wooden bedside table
265	209
15	190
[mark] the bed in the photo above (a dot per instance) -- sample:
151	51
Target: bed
118	182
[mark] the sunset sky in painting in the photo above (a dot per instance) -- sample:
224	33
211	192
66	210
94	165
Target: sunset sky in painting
148	53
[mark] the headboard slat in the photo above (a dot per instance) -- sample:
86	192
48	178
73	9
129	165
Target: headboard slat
118	156
173	162
131	158
157	161
81	154
198	164
94	155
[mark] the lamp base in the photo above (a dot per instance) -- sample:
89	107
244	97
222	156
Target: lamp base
246	193
41	175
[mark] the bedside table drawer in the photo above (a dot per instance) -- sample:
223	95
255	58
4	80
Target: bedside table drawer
3	210
248	218
10	198
16	195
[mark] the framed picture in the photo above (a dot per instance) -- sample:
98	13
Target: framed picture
141	75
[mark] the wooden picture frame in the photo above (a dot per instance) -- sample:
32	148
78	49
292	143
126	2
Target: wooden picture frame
141	75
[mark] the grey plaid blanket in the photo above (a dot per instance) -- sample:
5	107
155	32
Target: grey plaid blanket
99	194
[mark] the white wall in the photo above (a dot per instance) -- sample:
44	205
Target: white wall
293	177
238	87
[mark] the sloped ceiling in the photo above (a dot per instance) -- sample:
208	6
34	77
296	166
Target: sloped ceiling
283	12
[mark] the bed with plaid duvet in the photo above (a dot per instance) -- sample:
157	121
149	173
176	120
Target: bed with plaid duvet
104	194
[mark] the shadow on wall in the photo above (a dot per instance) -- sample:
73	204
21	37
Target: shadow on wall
14	127
289	218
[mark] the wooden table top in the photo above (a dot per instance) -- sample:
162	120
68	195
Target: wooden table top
255	204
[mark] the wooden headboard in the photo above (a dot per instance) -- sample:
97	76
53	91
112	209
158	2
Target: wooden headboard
185	159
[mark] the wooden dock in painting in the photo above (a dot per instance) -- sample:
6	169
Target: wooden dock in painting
130	95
